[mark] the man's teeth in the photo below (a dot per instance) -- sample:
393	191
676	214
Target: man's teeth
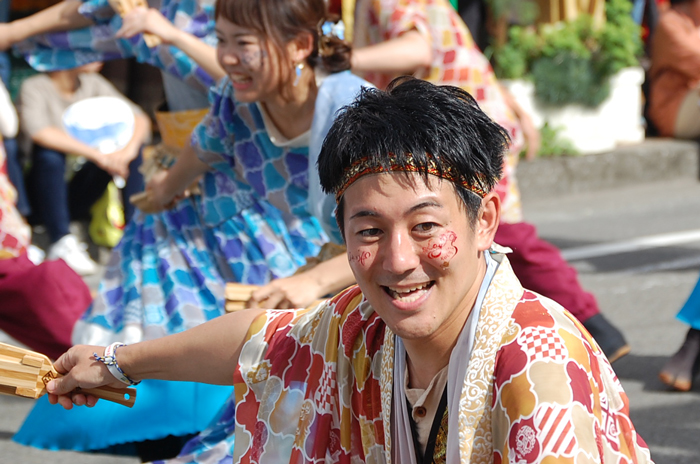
407	294
239	79
408	290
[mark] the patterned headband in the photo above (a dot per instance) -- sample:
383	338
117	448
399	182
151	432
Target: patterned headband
366	165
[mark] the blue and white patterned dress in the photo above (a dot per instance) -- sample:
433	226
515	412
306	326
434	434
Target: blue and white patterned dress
250	224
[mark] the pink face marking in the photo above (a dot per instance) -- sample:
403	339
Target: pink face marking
359	257
442	248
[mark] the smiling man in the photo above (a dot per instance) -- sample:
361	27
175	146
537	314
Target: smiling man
438	355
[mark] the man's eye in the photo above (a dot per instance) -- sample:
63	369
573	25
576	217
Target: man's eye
426	227
369	232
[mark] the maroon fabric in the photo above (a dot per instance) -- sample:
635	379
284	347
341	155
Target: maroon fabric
541	268
40	304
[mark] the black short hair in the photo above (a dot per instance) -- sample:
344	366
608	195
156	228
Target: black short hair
416	118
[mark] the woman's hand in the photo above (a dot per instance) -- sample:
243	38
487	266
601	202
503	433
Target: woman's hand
302	289
80	370
297	291
158	192
530	132
531	135
149	21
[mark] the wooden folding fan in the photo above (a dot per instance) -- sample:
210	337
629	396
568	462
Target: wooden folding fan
122	7
237	295
26	373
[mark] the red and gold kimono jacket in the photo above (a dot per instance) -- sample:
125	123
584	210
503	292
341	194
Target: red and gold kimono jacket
315	385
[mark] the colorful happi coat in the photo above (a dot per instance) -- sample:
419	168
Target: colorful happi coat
315	385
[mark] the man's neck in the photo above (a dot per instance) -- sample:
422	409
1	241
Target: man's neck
427	357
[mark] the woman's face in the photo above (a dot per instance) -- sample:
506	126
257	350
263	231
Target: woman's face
252	65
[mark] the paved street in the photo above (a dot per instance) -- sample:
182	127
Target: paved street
640	291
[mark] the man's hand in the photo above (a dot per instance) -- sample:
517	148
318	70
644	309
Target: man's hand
80	370
117	163
147	20
297	291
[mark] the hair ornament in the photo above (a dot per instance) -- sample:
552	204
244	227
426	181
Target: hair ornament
327	31
331	29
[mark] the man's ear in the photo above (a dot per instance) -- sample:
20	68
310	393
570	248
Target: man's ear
487	221
301	47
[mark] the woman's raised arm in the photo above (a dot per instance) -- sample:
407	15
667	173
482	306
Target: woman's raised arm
62	16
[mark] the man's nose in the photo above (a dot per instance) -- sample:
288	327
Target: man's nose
399	254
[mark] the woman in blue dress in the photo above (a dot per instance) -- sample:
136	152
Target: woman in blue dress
253	222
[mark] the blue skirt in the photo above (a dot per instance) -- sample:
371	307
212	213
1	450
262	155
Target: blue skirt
161	408
690	312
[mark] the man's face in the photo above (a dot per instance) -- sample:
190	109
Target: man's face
413	253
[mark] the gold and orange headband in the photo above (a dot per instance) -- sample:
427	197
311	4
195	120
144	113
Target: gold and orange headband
367	165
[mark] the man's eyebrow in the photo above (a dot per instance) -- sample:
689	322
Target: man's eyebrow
413	209
425	204
364	213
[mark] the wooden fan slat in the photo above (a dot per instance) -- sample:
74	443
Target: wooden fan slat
34	361
28	392
18	368
232	306
17	376
7	390
13	381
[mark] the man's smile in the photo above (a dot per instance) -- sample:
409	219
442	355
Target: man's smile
408	294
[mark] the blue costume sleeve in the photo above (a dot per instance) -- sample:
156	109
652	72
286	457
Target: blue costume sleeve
69	49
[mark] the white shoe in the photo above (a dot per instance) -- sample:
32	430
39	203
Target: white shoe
74	253
35	254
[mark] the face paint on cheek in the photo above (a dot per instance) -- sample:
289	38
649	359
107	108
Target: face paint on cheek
360	257
253	59
442	248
